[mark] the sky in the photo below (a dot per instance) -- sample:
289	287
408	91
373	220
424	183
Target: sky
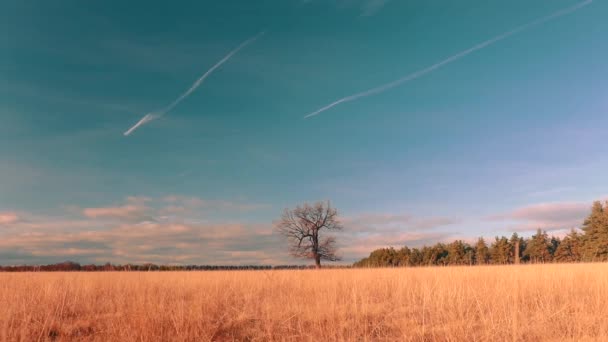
508	138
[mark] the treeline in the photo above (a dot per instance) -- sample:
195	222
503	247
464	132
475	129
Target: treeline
70	266
587	246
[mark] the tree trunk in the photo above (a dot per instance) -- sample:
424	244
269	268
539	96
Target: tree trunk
517	252
315	246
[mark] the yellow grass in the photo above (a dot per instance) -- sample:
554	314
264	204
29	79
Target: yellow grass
528	303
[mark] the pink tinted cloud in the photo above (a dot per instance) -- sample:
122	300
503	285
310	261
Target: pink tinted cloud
8	218
395	222
547	216
368	232
121	212
232	243
361	246
183	204
135	208
379	219
554	212
122	234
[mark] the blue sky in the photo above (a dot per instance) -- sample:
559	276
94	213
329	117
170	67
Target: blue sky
508	138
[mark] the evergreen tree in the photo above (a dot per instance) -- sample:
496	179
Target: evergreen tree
538	248
553	245
482	253
569	250
434	255
500	251
403	256
595	240
384	257
415	257
441	252
517	246
459	253
590	245
470	255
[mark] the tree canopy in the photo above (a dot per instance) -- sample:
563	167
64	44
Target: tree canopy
304	227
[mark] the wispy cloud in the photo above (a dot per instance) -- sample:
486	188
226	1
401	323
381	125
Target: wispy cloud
8	217
371	7
357	247
453	58
166	242
53	95
122	233
180	242
155	115
367	7
184	204
552	191
396	222
125	211
367	232
547	216
141	209
136	232
134	209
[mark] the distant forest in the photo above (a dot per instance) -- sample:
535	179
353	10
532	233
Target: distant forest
587	246
69	266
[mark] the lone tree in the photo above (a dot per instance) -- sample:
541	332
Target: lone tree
303	226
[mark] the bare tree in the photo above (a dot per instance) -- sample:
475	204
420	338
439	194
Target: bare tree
302	227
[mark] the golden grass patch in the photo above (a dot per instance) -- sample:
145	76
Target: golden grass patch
482	303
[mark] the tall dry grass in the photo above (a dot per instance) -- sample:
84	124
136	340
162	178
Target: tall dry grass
494	303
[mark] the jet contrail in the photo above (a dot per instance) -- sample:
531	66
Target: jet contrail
451	59
155	115
147	118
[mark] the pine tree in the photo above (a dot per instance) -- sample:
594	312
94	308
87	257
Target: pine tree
517	247
459	253
595	240
591	245
569	248
538	248
482	253
403	256
415	257
500	251
434	255
553	245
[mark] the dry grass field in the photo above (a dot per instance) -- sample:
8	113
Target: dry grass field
493	303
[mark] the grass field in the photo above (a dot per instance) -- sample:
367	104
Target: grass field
493	303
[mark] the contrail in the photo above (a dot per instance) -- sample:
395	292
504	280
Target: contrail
155	115
147	118
451	59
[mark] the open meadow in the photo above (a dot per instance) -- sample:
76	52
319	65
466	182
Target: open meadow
483	303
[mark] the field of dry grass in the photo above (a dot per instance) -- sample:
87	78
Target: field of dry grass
494	303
